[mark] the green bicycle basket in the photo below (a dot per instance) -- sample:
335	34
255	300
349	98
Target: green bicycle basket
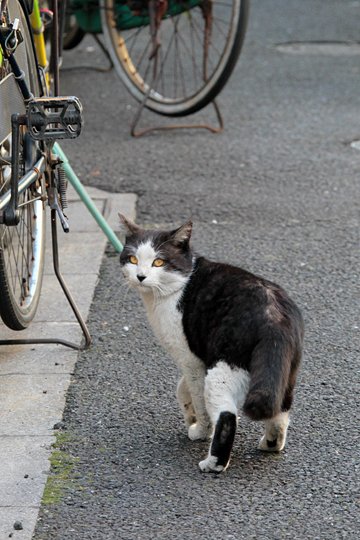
88	15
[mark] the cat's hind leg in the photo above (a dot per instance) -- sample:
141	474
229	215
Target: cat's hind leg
185	401
225	391
274	438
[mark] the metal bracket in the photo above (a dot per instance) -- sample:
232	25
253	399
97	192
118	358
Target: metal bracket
144	131
59	341
55	205
12	36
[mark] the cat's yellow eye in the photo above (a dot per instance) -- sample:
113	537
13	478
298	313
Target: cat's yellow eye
133	259
158	263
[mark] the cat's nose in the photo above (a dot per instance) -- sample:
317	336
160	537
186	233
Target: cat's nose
140	277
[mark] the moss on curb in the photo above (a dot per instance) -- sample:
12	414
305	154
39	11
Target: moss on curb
62	465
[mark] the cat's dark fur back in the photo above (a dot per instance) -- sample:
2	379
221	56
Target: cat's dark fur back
233	315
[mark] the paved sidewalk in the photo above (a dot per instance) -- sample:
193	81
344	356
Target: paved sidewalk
34	379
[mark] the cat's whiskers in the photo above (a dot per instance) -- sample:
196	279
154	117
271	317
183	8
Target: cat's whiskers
159	292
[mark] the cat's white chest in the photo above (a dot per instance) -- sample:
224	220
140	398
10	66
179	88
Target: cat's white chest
166	322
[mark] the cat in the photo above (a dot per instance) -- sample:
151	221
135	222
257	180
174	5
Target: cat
236	337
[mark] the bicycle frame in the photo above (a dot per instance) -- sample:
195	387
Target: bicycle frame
29	178
45	121
38	168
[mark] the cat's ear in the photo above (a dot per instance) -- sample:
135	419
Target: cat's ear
182	235
129	225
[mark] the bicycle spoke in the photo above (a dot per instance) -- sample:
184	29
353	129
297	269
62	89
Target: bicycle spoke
191	52
163	63
14	275
30	201
179	39
20	253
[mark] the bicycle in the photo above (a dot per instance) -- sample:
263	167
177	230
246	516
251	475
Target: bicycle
33	168
32	165
173	56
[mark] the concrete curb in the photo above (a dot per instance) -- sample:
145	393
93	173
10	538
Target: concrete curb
34	379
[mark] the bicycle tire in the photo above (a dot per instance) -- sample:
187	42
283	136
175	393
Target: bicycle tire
73	34
202	78
22	246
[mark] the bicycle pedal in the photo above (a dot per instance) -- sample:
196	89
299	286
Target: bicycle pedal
54	118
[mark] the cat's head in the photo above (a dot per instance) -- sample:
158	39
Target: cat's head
157	261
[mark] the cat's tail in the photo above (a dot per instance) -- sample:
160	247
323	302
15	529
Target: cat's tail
273	368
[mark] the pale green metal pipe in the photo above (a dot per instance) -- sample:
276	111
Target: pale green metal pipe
89	203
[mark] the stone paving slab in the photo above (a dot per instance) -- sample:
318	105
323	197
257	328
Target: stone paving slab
10	514
31	404
79	255
56	308
34	378
24	465
36	359
77	220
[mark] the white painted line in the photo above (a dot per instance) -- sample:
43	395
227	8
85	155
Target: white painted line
326	48
355	144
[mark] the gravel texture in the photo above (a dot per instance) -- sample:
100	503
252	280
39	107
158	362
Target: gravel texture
277	194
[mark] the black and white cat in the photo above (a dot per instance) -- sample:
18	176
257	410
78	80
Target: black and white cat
236	337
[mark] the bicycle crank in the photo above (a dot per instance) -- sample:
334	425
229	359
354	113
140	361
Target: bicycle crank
50	119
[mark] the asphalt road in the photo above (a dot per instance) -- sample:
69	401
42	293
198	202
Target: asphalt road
277	194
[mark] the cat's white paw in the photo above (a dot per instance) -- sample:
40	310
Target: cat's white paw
198	432
271	446
210	465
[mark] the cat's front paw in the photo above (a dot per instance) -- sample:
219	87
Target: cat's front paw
210	465
271	446
198	432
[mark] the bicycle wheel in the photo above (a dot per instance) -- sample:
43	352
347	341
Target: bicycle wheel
73	34
200	43
21	246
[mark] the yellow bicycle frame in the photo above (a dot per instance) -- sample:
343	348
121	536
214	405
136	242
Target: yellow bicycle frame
38	31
